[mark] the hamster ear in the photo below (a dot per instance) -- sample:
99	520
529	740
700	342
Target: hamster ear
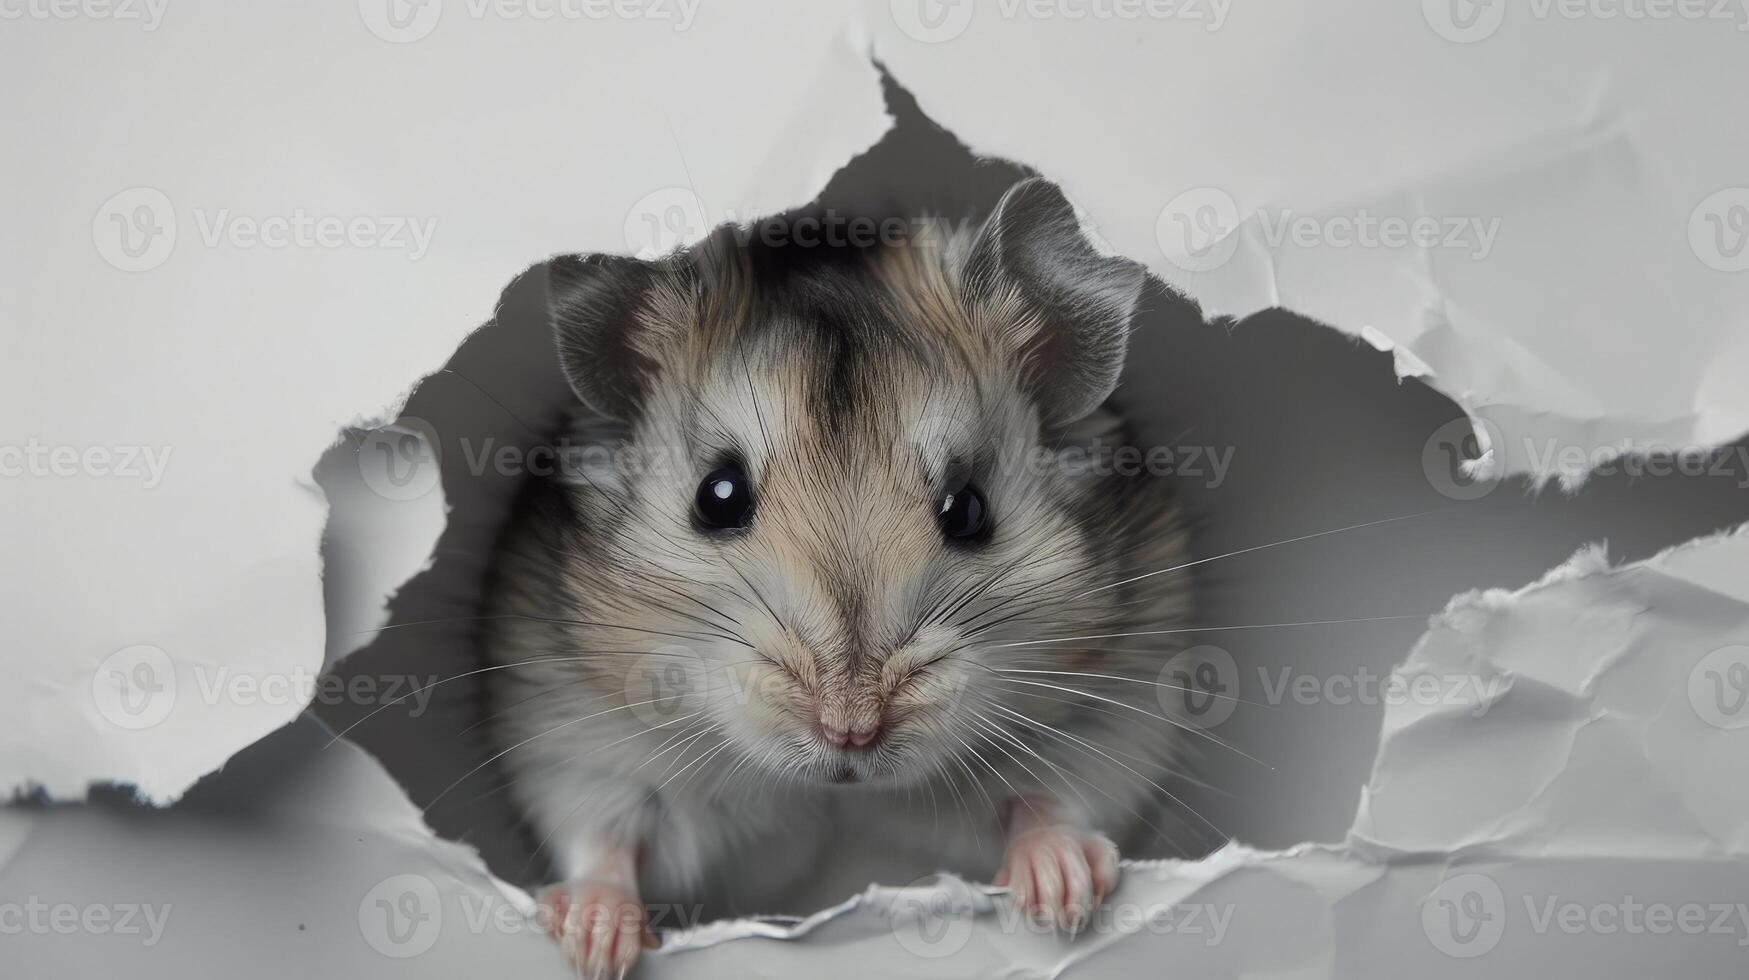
1077	305
596	303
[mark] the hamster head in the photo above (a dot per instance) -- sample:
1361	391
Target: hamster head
831	506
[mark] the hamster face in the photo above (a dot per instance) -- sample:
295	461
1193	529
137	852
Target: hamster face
846	538
820	530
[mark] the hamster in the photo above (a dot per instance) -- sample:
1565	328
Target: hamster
822	580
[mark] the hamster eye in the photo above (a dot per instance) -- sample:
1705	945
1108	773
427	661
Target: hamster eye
725	499
963	515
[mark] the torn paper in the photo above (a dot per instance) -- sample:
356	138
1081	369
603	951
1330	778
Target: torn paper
1535	207
255	275
1621	690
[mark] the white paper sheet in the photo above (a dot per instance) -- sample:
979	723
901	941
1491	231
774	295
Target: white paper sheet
236	231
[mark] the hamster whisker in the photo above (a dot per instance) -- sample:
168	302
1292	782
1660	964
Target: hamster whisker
1133	811
1174	773
729	777
1190	729
708	755
731	566
559	687
540	848
1103	748
502	753
653	580
679	740
997	773
453	677
1125	680
573	758
1102	755
753	398
1038	604
1207	629
535	619
556	688
994	728
1246	551
1037	607
1034	600
978	588
972	778
711	629
938	766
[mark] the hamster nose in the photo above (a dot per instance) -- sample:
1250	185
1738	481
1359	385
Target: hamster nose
860	738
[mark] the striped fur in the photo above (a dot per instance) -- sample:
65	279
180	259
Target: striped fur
668	681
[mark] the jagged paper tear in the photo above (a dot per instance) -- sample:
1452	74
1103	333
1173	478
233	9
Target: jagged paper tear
1594	148
1602	829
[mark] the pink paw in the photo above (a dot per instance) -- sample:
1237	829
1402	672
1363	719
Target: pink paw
1059	874
599	924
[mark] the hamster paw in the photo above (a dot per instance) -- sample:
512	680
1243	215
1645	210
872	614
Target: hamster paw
599	924
1059	874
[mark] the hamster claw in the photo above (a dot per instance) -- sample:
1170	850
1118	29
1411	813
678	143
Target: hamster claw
1059	875
600	926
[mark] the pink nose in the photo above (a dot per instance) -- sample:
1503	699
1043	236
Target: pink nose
860	739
